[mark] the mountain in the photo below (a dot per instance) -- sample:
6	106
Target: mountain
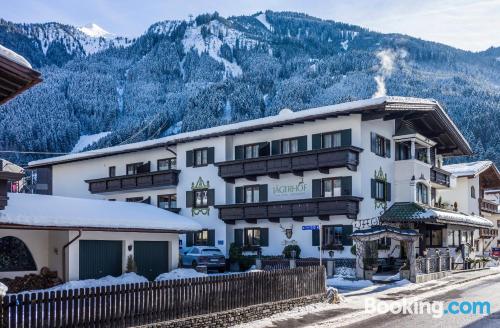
186	75
95	31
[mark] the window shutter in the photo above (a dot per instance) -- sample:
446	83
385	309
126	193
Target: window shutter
316	188
239	195
388	148
264	149
345	137
189	158
388	192
189	199
264	237
238	152
373	142
263	193
373	184
189	239
211	237
346	184
316	141
315	237
238	237
210	155
211	197
275	147
346	235
302	143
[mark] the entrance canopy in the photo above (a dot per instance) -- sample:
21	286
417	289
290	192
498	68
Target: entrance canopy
381	231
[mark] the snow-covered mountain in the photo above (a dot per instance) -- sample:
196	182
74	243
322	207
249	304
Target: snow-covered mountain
185	75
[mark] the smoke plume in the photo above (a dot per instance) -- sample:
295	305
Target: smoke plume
388	59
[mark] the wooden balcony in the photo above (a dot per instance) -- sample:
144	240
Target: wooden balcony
489	206
297	209
133	182
273	166
440	177
488	233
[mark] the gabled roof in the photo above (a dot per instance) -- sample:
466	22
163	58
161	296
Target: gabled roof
423	113
66	213
415	213
470	169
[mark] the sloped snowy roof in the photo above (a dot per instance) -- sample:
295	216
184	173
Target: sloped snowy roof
90	214
467	169
391	103
13	56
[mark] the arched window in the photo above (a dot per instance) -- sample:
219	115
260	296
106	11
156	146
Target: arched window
472	192
422	193
15	255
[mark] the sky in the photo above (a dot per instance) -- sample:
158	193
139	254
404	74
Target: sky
466	24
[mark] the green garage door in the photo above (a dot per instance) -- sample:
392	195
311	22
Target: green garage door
99	258
151	258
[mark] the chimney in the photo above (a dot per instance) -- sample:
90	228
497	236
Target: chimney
5	178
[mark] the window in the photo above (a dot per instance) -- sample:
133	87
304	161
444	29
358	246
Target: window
498	223
201	157
453	238
402	151
134	199
167	164
422	193
380	145
251	151
201	238
332	236
201	198
252	236
380	193
112	171
332	139
332	187
252	194
434	237
132	168
289	146
472	192
421	155
167	201
16	256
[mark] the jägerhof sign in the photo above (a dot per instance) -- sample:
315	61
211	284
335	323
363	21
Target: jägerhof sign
290	189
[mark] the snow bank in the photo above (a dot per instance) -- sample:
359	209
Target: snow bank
126	278
345	272
340	282
87	140
180	274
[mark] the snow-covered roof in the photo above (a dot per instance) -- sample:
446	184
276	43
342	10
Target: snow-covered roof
90	214
285	116
13	56
7	166
468	169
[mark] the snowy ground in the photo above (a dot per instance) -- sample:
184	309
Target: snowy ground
87	140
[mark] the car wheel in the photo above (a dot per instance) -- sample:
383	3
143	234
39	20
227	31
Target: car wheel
194	264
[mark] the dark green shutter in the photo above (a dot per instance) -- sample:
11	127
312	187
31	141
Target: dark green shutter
239	195
373	142
238	152
190	239
210	155
315	237
263	193
276	147
302	143
316	188
346	186
189	158
388	148
346	235
345	137
264	149
238	237
211	197
373	187
211	237
264	237
316	141
388	192
189	198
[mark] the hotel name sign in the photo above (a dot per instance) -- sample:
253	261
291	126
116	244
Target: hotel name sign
291	189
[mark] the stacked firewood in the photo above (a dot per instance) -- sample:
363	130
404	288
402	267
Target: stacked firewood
46	279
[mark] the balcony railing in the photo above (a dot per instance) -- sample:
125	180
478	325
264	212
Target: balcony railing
320	159
440	176
488	233
297	209
136	181
489	206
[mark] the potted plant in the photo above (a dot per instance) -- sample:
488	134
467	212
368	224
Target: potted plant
287	251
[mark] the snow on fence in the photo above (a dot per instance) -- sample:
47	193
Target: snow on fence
144	303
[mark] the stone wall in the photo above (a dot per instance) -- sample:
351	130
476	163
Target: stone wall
238	316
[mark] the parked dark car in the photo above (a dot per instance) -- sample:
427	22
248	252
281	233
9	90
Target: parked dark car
209	256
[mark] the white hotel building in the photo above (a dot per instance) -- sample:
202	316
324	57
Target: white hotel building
251	182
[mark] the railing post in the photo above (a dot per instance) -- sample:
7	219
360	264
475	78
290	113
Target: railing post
427	265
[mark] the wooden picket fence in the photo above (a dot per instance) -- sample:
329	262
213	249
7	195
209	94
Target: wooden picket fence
136	304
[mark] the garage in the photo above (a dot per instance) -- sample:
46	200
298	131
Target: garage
151	258
99	258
